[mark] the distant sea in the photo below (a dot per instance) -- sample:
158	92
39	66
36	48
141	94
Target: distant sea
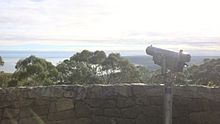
12	57
55	57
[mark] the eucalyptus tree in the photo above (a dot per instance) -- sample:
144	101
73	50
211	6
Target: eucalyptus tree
1	61
207	73
96	67
35	71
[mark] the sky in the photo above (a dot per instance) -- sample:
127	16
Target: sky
110	25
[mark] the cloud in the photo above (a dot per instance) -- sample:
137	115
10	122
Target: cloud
113	25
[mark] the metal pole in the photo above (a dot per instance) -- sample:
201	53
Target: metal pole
167	95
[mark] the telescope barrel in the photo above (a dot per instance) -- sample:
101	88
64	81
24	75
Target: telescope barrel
174	61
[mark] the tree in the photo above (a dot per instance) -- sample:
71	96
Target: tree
81	68
156	77
95	67
129	73
145	74
84	56
178	78
35	71
5	78
119	70
206	73
76	73
1	61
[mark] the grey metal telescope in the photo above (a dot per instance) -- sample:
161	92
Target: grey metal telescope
168	60
174	61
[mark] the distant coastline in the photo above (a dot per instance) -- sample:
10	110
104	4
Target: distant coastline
55	57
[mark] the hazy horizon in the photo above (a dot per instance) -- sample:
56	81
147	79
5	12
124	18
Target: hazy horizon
55	57
60	53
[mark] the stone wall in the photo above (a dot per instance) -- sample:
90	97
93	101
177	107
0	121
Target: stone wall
107	104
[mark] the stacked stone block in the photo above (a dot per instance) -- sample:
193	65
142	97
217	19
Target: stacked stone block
107	104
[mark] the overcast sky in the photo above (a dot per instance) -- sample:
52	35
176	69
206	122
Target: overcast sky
73	25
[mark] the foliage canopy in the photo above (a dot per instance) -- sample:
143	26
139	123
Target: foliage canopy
35	71
96	67
205	74
1	61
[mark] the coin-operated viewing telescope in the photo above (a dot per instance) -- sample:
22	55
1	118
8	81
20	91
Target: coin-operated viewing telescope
174	61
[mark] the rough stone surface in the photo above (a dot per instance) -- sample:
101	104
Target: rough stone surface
107	104
141	119
64	104
126	121
25	113
82	109
66	121
40	110
32	120
9	121
125	102
112	112
102	120
10	113
63	115
83	121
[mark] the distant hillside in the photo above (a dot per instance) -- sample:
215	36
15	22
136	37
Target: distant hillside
148	62
143	60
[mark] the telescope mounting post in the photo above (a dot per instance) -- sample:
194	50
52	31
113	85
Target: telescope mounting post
171	63
167	93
